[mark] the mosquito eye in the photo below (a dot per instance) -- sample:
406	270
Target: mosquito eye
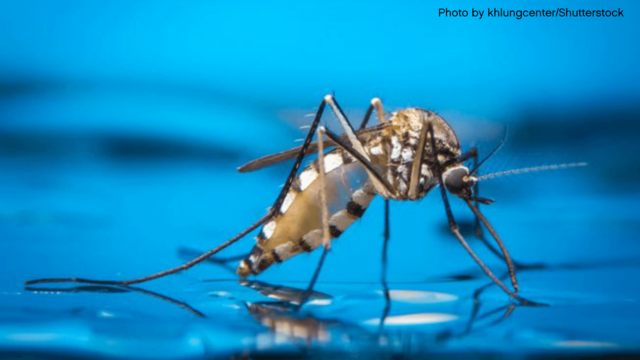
455	180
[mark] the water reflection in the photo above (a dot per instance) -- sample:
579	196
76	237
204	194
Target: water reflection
287	323
287	294
285	320
309	328
413	320
112	289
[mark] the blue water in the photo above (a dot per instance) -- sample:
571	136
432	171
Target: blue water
122	125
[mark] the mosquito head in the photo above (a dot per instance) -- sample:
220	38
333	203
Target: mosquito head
459	182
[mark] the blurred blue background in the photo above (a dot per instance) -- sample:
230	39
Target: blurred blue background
122	124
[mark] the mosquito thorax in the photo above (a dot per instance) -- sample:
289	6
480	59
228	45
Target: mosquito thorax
458	181
408	167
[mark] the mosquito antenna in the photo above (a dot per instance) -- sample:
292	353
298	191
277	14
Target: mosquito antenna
493	152
531	169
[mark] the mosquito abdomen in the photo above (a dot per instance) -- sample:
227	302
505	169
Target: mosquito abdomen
297	227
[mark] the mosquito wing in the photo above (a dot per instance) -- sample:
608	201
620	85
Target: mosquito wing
277	158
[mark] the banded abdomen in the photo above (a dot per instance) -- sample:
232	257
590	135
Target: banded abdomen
297	226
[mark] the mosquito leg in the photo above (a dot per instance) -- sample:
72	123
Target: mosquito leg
346	125
385	245
326	236
208	254
473	154
188	253
307	293
476	192
376	104
355	144
416	168
454	227
301	155
366	118
322	178
361	159
503	248
174	270
385	287
268	160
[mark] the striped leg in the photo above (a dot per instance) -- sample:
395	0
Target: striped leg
326	236
322	178
364	161
414	182
346	125
333	227
355	147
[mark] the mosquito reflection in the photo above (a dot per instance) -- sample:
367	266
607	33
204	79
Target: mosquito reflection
119	289
285	321
287	324
290	301
290	295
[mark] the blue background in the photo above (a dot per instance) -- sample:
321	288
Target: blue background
122	124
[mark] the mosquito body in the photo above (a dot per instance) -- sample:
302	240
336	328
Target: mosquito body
402	158
391	147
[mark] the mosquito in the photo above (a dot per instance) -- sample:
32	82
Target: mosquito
402	158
